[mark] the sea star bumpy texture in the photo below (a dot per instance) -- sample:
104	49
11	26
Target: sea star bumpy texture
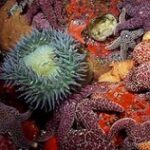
139	11
89	139
125	41
10	122
80	110
45	13
138	79
141	53
136	133
46	67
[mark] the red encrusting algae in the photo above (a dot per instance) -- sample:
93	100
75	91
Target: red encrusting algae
51	144
30	129
136	106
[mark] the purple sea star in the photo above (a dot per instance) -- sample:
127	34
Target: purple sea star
41	12
138	78
10	122
136	133
125	41
139	11
86	139
127	38
80	109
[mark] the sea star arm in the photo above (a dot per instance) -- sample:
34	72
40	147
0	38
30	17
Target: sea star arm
115	44
122	16
59	11
48	11
86	115
147	25
129	24
24	116
51	127
132	44
147	95
3	129
137	33
130	84
66	122
33	9
105	105
86	139
123	50
146	125
18	136
126	123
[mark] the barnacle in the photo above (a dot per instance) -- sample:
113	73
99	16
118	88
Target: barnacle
46	66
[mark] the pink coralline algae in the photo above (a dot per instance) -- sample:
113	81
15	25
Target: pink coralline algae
45	13
40	21
135	132
80	109
10	123
141	53
138	79
139	11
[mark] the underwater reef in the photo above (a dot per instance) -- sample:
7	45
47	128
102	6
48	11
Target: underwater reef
74	75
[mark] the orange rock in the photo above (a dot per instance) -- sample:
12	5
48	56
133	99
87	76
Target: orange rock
11	28
118	72
144	146
146	36
96	67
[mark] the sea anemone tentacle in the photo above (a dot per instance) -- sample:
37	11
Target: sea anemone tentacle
46	66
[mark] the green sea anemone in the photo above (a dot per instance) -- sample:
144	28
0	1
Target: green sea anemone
46	67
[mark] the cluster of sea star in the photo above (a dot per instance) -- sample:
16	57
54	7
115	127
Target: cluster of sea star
42	13
136	133
138	79
138	13
76	124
